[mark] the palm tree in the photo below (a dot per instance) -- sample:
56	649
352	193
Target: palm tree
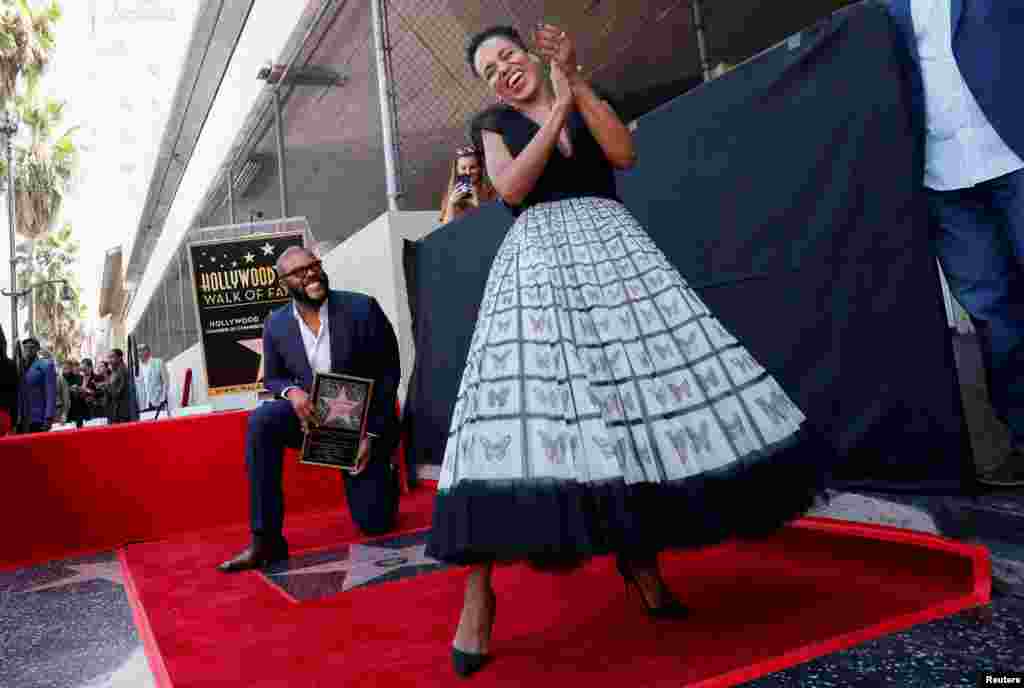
42	176
44	167
52	318
26	42
26	45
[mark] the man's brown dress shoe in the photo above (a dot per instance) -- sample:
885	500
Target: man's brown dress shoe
261	553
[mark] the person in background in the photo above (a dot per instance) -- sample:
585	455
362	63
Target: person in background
87	390
467	186
38	391
8	389
98	396
78	408
966	100
63	396
153	381
122	406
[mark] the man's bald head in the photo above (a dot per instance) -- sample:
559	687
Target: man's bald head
301	273
290	257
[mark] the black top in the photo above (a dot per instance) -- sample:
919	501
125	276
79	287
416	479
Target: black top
9	387
586	173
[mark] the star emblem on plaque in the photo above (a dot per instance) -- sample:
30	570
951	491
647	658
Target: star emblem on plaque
341	403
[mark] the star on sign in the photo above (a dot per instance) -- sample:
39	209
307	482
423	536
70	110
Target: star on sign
255	346
342	407
268	250
234	263
249	257
104	570
365	563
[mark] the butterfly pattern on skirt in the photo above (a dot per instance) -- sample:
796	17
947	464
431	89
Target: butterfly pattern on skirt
592	359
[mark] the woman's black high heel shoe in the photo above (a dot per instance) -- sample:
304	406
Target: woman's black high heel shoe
672	608
468	663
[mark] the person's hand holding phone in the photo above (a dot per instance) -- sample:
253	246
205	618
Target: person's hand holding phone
463	191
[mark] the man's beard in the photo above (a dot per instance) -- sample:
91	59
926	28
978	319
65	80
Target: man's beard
305	299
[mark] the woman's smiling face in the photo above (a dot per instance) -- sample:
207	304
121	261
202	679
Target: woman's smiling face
507	69
468	164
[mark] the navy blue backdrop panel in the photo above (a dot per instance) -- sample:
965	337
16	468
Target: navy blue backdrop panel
788	194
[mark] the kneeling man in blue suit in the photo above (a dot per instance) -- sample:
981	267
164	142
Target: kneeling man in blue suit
336	331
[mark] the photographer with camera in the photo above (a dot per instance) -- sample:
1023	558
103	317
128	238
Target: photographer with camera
467	188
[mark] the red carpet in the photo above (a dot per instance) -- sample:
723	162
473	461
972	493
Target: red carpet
816	587
95	489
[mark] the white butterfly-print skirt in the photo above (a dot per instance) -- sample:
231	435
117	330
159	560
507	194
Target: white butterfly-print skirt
593	362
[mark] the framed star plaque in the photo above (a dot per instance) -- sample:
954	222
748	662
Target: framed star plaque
341	405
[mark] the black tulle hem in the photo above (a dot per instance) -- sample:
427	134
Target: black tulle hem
555	524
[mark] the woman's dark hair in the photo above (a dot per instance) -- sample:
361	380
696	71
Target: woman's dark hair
3	345
476	41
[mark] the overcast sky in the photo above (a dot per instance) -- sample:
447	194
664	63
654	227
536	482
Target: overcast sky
117	65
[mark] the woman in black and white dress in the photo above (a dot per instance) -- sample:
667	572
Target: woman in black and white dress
603	408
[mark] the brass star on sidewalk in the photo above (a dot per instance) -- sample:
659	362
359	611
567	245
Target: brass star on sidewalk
366	563
103	570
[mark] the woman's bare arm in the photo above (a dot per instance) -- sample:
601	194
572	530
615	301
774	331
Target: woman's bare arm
611	134
614	137
514	177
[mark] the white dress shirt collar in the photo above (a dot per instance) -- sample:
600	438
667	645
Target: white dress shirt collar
316	344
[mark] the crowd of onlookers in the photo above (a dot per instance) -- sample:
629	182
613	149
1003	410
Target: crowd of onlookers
38	393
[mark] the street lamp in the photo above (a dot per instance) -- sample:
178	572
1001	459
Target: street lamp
9	127
66	294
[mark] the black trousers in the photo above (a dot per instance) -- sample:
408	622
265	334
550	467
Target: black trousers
372	495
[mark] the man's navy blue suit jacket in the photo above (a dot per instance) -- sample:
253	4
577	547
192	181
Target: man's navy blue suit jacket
363	344
988	43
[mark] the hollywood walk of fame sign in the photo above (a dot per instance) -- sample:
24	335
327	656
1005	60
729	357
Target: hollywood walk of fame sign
236	286
341	404
324	574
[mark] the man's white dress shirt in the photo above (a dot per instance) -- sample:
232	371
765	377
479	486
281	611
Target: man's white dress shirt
962	149
316	344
